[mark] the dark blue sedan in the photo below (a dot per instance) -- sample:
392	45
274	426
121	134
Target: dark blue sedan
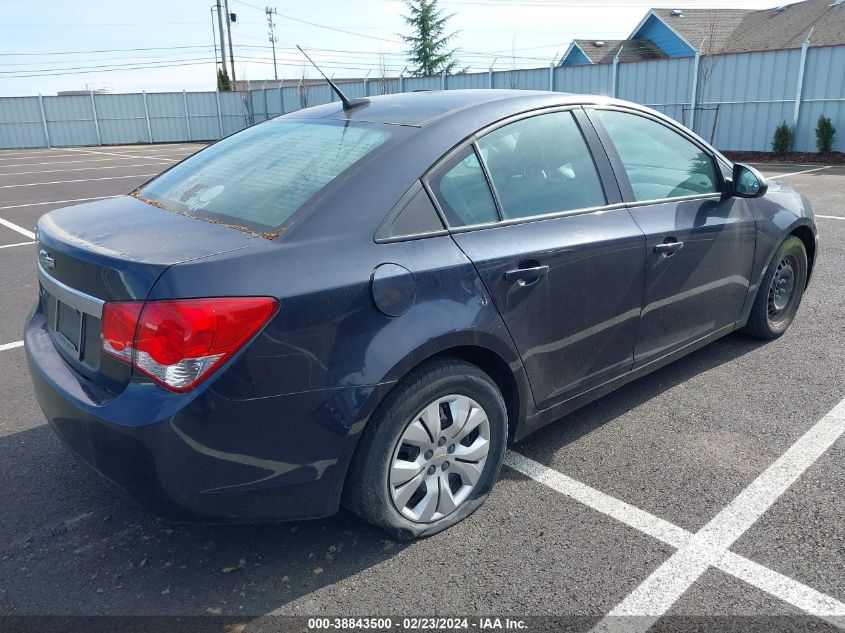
363	303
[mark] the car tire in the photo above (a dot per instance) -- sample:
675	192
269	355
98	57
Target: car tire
780	292
397	456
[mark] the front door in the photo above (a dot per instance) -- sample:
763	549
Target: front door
564	268
699	246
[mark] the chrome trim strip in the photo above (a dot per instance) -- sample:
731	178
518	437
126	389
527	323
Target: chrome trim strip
69	296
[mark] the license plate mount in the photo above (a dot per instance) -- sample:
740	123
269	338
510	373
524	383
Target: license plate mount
69	328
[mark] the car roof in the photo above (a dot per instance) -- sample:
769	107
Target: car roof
418	109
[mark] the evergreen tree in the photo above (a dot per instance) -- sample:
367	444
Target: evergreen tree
429	44
223	82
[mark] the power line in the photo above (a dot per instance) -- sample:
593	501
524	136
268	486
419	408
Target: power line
321	26
106	50
109	70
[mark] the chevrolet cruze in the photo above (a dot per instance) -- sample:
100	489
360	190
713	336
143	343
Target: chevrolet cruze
362	303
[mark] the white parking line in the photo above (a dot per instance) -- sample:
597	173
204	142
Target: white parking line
63	182
830	217
122	155
84	160
38	204
18	244
9	155
707	547
795	173
95	167
776	584
17	228
6	346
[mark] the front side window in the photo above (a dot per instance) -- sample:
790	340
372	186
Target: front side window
259	177
463	193
660	163
541	165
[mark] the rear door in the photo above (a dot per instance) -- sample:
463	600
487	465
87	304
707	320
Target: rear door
699	244
558	252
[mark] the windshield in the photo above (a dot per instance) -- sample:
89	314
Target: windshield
258	178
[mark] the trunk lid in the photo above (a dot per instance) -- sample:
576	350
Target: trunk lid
113	250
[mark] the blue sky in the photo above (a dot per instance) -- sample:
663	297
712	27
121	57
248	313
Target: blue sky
177	36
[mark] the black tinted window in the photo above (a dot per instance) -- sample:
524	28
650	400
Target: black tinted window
462	191
541	165
259	177
660	163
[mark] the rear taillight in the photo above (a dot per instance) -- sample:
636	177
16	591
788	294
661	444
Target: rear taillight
179	343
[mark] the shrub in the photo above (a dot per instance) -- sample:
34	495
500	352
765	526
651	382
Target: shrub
824	134
782	141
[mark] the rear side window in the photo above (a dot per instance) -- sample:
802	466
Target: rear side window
660	163
462	191
541	165
259	177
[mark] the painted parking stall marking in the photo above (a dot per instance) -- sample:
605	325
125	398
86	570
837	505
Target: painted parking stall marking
38	204
698	556
122	155
709	545
19	229
94	168
6	346
64	182
795	173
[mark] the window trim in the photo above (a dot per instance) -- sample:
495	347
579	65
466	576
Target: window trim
618	166
592	145
379	236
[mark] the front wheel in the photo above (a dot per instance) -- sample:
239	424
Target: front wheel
780	291
431	453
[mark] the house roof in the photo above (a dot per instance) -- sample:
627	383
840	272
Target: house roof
767	30
604	51
705	29
739	30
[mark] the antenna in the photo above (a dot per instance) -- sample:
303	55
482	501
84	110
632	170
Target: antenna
348	103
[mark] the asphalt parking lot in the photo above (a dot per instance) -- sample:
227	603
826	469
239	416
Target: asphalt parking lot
711	488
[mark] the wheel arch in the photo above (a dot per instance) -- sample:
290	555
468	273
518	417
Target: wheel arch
806	235
487	352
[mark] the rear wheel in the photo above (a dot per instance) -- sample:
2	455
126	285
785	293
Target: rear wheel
431	453
780	292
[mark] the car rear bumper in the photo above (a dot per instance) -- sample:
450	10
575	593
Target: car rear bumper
200	456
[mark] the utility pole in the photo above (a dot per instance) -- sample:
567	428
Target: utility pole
231	50
222	40
272	33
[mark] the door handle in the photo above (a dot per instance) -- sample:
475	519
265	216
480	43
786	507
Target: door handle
667	249
526	276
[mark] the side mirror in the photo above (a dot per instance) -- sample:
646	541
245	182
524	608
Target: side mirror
747	182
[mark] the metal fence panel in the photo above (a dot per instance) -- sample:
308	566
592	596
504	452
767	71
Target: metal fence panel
469	81
823	94
233	112
665	85
121	119
754	92
20	123
70	121
593	80
422	83
202	111
167	117
740	100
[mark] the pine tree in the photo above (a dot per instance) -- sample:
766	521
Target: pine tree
223	82
429	49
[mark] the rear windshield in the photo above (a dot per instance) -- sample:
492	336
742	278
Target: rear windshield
259	177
